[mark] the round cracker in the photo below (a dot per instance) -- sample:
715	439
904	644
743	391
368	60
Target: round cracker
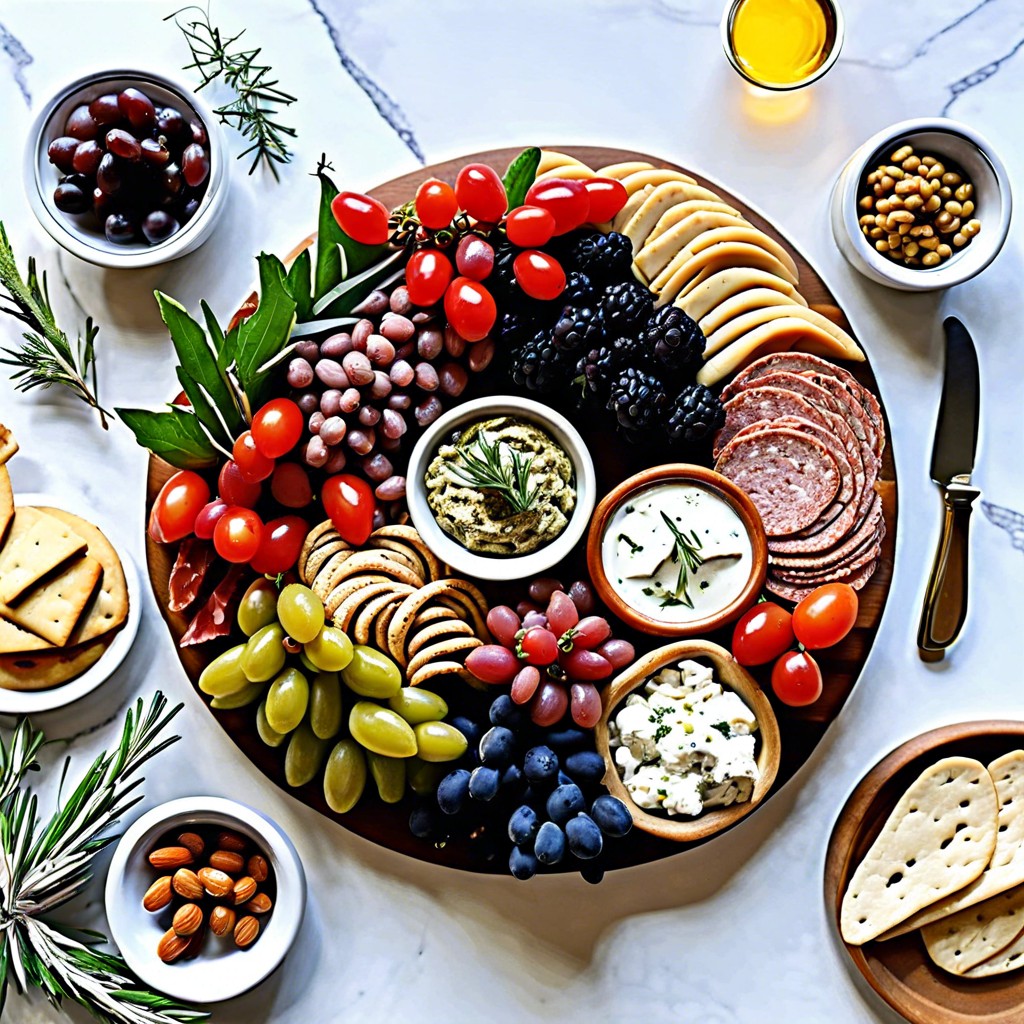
445	668
443	649
380	627
456	589
346	587
430	633
355	600
367	616
375	561
44	670
411	536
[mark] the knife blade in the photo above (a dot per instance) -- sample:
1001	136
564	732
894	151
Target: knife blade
953	454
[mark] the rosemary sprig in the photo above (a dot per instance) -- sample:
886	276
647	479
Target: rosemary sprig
254	109
488	471
686	552
46	357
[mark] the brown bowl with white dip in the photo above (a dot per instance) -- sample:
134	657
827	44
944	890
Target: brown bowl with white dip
677	551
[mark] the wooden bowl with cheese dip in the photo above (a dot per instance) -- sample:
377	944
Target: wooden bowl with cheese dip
709	724
677	550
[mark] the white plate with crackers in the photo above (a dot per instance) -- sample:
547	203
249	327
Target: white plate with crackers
925	875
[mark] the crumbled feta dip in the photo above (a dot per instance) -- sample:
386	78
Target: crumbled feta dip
687	745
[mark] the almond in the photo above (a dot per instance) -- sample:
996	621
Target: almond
245	932
227	861
232	841
172	945
193	843
171	857
245	889
222	920
259	904
195	945
158	895
188	919
259	870
186	883
215	882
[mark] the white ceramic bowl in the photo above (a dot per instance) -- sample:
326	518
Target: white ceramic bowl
493	567
944	139
221	971
73	232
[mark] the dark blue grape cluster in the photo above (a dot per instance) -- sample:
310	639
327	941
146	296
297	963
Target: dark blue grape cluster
529	792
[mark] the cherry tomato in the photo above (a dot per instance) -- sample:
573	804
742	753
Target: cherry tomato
427	275
436	204
279	549
762	633
538	646
252	463
277	427
207	518
474	258
480	193
470	309
530	226
234	488
290	485
566	200
825	615
796	679
363	218
179	502
350	504
539	275
238	534
607	197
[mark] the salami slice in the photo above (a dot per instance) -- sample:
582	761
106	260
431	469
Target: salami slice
757	403
840	555
795	592
830	573
790	476
824	544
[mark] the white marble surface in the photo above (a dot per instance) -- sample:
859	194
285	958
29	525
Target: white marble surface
732	933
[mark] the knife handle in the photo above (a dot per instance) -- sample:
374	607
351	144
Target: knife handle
945	602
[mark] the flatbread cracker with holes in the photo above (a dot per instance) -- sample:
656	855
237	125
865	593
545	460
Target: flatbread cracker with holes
1009	958
52	609
963	940
939	837
8	446
37	544
46	669
1006	868
6	501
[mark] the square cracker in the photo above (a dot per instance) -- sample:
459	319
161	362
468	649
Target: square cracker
37	544
938	838
46	669
15	640
52	609
963	940
6	501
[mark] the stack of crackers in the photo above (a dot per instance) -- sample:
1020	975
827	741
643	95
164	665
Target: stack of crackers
63	594
949	862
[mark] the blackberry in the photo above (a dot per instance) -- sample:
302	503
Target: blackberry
594	372
579	290
512	327
626	307
631	350
578	328
538	365
674	339
604	258
502	283
693	415
637	399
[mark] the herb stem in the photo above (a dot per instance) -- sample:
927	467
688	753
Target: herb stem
686	549
488	471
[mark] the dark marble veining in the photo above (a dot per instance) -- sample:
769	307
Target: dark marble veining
982	74
1006	519
20	58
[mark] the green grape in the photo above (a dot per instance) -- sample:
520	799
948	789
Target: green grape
344	776
416	705
307	664
381	730
264	654
224	675
372	674
305	755
258	607
330	650
249	693
287	700
439	741
422	776
325	708
271	737
389	774
301	612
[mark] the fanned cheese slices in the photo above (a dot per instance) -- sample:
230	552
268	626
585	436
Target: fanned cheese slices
656	176
659	250
746	301
740	325
623	170
715	289
684	209
551	160
713	259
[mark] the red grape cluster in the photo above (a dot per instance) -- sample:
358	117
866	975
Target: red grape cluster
554	658
136	168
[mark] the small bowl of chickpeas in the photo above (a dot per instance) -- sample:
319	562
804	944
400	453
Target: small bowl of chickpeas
923	205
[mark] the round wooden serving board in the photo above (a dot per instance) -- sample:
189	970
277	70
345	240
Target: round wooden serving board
900	970
801	728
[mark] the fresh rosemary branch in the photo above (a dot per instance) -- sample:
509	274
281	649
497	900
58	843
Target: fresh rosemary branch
254	109
686	552
488	471
46	357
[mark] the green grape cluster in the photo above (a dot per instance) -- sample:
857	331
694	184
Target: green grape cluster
304	671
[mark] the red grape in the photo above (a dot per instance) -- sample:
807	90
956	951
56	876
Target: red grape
549	703
561	613
474	258
619	653
525	684
235	489
503	623
494	664
542	589
290	485
137	107
208	516
590	632
587	665
585	705
195	165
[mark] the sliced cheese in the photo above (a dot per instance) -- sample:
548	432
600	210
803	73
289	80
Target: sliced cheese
574	171
685	209
740	325
714	288
623	170
659	250
719	257
655	177
38	543
550	159
633	203
744	302
659	202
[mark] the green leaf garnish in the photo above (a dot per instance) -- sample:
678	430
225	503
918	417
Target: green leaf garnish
521	174
488	471
175	435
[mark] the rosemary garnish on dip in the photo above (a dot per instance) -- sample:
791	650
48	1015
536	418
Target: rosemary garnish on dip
489	471
686	552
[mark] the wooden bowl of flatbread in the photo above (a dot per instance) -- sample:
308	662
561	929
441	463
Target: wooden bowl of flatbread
925	875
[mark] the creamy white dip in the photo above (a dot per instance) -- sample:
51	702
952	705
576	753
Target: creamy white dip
685	745
676	552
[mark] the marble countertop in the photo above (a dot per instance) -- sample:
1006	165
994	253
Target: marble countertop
731	933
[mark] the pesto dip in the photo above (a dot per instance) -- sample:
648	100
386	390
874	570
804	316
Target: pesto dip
501	486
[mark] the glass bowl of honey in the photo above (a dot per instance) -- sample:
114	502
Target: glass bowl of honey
782	45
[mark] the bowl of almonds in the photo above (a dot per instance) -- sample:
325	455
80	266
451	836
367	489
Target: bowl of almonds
204	898
923	205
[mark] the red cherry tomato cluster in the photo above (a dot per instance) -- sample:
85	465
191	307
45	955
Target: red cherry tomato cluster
767	632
